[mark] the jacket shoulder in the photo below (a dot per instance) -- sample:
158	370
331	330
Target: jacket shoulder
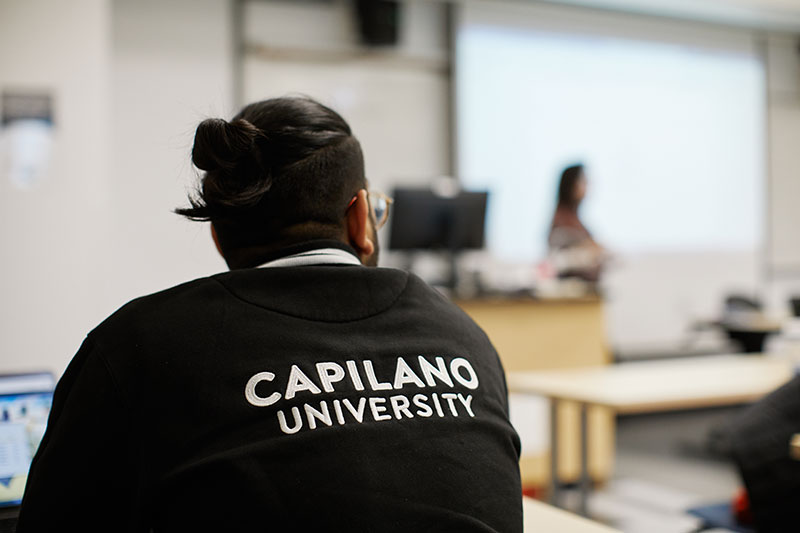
167	308
445	310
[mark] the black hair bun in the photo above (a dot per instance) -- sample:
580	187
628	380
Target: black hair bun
220	145
278	163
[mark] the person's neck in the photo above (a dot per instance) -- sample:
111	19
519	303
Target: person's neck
254	256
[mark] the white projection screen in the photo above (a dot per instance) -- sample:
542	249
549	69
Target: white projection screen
669	118
671	129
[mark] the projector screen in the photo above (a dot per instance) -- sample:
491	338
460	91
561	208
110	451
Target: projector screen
672	136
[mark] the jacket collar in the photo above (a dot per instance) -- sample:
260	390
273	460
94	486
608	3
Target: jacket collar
318	252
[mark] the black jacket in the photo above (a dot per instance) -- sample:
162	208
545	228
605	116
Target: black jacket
327	398
761	438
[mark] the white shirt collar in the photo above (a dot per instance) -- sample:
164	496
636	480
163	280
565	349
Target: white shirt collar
320	256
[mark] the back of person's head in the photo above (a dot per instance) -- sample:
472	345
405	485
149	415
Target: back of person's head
568	184
282	171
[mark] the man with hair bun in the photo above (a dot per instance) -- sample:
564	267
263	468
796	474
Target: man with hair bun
300	390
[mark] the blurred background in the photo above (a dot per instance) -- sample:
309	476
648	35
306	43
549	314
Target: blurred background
685	115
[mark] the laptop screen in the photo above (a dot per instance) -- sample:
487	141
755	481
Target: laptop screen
25	401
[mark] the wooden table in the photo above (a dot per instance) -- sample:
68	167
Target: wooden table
539	517
651	386
526	332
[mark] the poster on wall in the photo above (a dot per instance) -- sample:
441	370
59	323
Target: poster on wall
26	136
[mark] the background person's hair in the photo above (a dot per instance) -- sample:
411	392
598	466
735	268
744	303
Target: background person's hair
566	186
281	171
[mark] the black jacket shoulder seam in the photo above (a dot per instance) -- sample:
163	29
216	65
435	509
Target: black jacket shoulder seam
271	310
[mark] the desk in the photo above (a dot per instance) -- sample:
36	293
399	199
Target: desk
651	386
539	334
540	517
545	334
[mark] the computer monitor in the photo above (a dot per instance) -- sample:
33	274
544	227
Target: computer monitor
424	220
25	401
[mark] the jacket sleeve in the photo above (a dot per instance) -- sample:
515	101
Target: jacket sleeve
760	443
83	476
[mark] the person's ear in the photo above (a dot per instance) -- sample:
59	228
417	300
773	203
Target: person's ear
360	230
216	240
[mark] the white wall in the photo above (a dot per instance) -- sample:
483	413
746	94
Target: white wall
171	68
396	100
51	235
783	61
774	14
783	246
131	80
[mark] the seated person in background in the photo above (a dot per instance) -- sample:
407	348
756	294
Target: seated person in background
301	390
574	251
761	446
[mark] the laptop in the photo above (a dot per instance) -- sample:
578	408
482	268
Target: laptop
25	401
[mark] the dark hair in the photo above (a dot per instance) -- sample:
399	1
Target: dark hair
566	187
282	170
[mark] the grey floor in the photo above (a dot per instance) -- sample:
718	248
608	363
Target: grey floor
664	465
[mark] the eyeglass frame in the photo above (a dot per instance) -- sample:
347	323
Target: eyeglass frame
385	197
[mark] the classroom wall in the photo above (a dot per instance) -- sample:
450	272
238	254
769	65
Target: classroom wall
774	14
782	268
396	99
774	272
48	286
131	80
172	67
